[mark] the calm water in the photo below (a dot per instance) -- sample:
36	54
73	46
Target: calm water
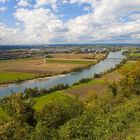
111	61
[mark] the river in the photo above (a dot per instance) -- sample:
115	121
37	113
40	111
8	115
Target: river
111	61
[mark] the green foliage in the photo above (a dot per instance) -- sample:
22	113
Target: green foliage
98	124
42	132
97	75
16	107
55	114
83	80
131	83
113	88
15	130
34	92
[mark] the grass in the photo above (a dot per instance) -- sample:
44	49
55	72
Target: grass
134	54
70	61
6	77
92	82
41	101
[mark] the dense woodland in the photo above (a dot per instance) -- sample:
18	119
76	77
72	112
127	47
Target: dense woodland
114	116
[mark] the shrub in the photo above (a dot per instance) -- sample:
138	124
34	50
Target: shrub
83	80
97	75
34	92
57	113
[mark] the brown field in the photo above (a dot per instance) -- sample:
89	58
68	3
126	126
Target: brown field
84	91
72	56
99	85
36	66
77	56
112	77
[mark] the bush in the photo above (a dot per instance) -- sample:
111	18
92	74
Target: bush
83	80
97	75
15	130
98	124
34	92
31	92
57	113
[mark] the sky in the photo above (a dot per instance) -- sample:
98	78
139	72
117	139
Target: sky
69	21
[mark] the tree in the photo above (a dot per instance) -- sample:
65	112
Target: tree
18	108
56	113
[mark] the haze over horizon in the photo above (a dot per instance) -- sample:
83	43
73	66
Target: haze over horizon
69	21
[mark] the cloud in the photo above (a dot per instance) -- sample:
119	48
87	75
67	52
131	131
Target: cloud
51	3
40	24
87	8
3	9
23	3
3	1
108	21
10	35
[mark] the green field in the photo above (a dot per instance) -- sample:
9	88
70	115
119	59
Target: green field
41	101
92	82
7	77
134	54
70	61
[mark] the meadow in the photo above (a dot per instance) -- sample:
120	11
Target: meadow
15	77
43	100
134	54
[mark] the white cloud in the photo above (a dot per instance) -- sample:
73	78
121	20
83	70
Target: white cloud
23	3
10	35
3	1
3	9
52	3
39	24
87	8
108	20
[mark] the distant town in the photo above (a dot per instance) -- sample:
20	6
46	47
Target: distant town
44	51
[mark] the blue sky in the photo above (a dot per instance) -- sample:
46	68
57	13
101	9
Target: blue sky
69	21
